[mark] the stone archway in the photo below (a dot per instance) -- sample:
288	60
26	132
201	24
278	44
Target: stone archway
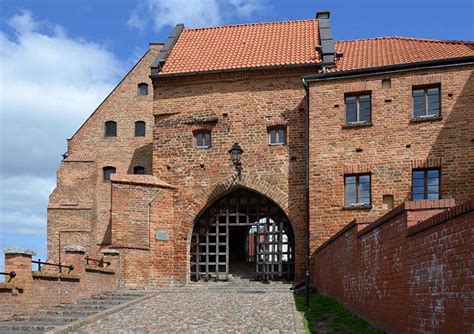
242	234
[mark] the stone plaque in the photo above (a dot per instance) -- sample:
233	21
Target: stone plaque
162	235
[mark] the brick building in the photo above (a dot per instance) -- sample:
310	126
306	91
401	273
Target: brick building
380	121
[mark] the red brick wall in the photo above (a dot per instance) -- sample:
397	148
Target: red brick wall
244	104
391	146
404	279
31	291
139	210
90	151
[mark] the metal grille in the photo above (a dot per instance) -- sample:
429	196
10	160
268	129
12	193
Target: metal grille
268	227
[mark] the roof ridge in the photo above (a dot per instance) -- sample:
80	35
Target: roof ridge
250	24
429	40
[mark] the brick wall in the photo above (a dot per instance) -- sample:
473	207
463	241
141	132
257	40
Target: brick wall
390	146
236	107
80	176
404	279
30	291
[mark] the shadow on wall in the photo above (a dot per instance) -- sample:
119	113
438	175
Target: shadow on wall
296	177
455	143
142	156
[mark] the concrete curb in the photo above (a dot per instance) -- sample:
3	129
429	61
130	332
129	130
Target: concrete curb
100	315
299	327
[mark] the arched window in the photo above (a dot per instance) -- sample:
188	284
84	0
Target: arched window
140	129
110	129
138	170
202	139
277	135
142	89
109	170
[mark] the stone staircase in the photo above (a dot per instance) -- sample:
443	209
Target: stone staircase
64	314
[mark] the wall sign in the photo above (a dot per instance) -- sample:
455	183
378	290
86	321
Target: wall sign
162	235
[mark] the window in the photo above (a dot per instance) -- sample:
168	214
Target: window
358	109
109	170
277	135
138	170
426	102
357	190
110	129
425	184
140	129
203	139
142	89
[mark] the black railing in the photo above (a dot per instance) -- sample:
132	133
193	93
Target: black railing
12	274
59	265
100	262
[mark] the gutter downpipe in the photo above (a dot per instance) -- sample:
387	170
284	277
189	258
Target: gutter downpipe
307	272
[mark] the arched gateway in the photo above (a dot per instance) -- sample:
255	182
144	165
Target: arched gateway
242	234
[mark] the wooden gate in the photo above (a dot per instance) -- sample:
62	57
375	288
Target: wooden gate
274	238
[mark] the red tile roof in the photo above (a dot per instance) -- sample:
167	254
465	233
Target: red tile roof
385	51
293	43
244	46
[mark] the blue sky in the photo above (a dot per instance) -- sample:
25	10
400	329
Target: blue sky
59	59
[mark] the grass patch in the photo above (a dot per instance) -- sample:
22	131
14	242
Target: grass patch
327	315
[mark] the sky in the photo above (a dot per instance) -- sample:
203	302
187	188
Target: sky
59	59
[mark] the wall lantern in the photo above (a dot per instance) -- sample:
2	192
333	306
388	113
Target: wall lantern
235	155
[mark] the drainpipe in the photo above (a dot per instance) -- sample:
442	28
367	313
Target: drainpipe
307	272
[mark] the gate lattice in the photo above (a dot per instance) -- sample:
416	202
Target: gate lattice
274	240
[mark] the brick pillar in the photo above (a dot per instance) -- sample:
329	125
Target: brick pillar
75	255
19	261
112	256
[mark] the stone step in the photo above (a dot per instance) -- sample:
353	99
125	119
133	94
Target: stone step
84	308
99	302
68	313
114	298
45	318
27	326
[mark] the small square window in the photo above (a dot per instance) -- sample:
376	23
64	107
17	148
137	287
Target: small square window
358	108
357	190
142	89
426	102
426	184
138	170
107	172
203	139
277	135
140	129
110	129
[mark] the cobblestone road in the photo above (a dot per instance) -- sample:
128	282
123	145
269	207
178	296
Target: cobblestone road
206	311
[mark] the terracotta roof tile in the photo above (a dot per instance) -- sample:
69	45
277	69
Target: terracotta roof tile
385	51
244	46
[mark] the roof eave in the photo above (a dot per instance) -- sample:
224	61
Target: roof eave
236	69
458	61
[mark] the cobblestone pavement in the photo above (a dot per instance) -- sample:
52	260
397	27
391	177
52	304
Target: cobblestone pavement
206	311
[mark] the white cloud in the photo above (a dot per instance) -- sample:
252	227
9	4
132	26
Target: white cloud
49	84
193	13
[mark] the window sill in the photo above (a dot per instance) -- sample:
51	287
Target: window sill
358	207
272	145
426	119
356	125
